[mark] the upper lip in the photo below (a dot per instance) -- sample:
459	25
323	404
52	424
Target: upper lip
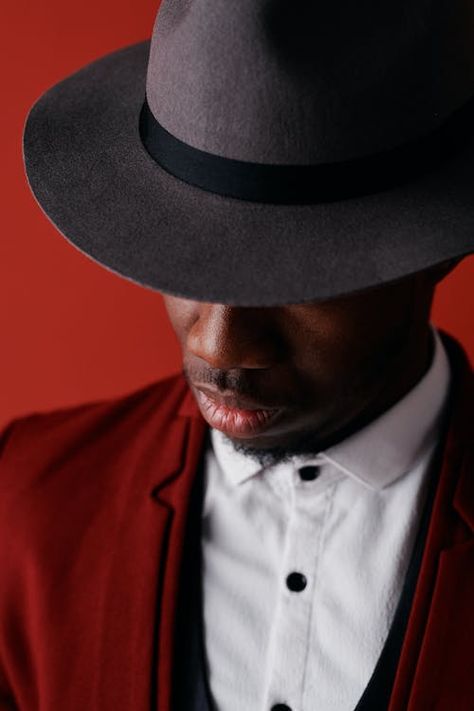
238	402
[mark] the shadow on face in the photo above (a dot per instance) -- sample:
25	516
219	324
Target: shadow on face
324	368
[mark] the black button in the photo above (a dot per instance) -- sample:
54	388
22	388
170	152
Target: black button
296	582
280	707
309	472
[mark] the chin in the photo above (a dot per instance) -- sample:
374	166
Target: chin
269	451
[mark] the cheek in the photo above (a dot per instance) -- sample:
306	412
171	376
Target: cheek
330	342
321	344
322	330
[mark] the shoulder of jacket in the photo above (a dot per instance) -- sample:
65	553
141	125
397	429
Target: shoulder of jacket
38	439
68	476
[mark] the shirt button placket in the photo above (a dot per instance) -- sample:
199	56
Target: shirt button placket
287	684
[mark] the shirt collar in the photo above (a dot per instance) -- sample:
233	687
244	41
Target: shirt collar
379	453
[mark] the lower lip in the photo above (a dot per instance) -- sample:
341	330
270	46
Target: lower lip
233	421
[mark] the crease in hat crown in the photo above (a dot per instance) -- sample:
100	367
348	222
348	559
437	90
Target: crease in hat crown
269	81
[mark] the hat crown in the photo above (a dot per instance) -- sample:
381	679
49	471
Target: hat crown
307	82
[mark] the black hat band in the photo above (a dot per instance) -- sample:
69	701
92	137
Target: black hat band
305	184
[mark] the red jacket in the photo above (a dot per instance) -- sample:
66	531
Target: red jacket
93	503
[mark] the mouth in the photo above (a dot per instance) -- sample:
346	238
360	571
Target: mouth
235	416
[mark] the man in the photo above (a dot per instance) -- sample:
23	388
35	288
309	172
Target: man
288	524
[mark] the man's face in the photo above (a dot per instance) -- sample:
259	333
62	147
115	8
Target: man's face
290	379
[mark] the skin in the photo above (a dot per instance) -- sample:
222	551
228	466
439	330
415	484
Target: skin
335	365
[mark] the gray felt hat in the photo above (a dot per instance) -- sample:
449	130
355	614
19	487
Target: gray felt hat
266	152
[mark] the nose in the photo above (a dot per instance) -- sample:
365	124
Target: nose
234	337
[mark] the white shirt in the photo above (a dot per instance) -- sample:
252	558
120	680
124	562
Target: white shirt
350	532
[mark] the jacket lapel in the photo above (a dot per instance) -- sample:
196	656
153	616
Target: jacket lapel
131	589
127	585
435	669
173	497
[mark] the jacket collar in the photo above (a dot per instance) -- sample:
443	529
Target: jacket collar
437	635
459	451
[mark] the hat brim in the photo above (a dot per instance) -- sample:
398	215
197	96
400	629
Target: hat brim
93	178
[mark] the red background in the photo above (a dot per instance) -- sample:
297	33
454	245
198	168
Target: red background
73	331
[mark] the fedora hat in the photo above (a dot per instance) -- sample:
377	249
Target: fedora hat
263	153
